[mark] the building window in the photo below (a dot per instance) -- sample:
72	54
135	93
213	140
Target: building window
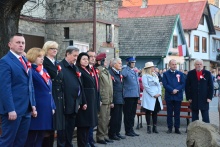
175	41
196	43
66	32
202	20
108	33
204	45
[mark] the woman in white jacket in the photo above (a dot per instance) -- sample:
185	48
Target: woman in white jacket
151	100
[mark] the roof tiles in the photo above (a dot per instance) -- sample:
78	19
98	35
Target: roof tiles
190	13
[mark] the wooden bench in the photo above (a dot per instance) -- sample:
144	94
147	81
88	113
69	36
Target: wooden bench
185	112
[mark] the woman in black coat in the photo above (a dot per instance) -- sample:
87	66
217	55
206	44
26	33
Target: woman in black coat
55	72
89	117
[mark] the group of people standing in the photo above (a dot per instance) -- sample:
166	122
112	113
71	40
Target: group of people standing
198	86
40	96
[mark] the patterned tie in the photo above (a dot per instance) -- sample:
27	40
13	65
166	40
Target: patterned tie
22	62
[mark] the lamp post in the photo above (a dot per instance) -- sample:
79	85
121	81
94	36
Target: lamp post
94	26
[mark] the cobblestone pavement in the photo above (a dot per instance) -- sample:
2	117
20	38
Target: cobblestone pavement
162	139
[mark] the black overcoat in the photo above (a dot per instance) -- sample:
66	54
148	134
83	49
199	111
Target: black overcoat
57	92
199	90
88	117
70	80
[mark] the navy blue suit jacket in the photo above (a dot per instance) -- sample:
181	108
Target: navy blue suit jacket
16	86
170	82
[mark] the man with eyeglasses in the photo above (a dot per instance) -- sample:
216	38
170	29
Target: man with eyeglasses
131	92
92	61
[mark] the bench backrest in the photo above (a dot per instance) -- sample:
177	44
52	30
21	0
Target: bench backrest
185	106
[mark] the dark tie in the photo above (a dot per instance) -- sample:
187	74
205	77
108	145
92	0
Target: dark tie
22	62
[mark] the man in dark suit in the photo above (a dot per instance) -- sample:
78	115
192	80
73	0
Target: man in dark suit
92	61
118	101
16	90
199	91
72	91
173	82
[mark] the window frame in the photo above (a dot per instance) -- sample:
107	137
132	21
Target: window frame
195	45
66	33
204	51
175	41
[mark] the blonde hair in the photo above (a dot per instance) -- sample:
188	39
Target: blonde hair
33	53
48	45
148	71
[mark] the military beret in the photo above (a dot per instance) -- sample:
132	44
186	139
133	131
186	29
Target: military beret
101	56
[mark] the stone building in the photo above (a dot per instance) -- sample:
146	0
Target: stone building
70	22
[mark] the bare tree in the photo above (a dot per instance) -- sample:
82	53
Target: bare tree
9	18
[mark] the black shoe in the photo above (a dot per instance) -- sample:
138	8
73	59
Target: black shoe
92	144
109	141
130	134
120	136
135	134
169	131
148	129
102	142
154	130
114	137
177	131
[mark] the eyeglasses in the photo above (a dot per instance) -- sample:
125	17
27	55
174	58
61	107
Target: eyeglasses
53	48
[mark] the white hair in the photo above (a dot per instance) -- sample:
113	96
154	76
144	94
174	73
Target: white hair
115	61
198	60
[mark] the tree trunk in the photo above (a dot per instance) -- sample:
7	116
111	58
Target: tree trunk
9	17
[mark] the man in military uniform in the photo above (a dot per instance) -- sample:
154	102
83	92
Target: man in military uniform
106	94
131	92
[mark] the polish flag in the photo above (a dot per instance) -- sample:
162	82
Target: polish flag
182	50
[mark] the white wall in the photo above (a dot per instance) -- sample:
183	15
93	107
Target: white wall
202	31
34	9
179	59
213	52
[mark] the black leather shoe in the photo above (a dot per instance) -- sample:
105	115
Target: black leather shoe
169	131
135	134
102	142
92	144
129	134
109	141
114	137
177	131
120	136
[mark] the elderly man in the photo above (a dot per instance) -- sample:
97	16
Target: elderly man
106	93
116	112
174	83
72	91
199	91
16	90
131	93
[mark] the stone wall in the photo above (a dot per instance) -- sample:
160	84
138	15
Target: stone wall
82	32
31	28
82	9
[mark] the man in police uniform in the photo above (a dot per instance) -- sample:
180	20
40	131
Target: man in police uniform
131	92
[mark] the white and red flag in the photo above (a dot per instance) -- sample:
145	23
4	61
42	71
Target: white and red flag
182	50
